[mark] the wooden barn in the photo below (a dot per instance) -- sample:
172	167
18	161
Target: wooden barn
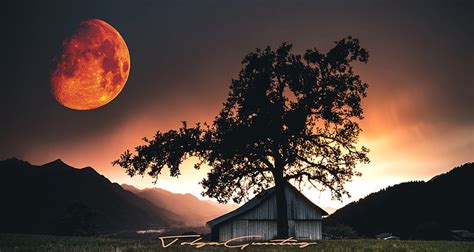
259	217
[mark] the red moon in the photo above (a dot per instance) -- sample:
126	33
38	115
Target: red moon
93	66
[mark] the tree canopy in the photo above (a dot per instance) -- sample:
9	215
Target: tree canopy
288	117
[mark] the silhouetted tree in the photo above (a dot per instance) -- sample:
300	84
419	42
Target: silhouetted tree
287	117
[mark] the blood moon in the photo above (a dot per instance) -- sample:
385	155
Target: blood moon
93	66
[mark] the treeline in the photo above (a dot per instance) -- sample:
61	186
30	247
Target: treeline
413	210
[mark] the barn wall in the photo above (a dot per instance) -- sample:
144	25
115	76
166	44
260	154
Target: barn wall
237	228
304	220
303	229
232	229
265	228
310	229
298	209
226	231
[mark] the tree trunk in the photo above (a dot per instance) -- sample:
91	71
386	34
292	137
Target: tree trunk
282	217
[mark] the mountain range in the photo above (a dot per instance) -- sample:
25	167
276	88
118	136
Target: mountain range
192	211
56	198
414	210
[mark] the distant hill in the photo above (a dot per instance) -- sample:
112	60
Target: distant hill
59	199
330	210
192	211
415	210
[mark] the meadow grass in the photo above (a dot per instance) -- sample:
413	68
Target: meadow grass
22	242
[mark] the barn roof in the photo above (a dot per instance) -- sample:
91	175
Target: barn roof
261	197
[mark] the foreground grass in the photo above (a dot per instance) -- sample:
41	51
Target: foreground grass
19	242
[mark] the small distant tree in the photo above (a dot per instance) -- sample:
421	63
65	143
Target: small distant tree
288	117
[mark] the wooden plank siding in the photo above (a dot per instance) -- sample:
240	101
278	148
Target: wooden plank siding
298	209
267	229
304	220
237	228
308	230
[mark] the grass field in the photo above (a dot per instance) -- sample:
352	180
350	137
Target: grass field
16	242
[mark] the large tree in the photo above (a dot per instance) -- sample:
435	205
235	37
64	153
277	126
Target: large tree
288	117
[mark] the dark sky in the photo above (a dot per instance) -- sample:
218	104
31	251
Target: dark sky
419	112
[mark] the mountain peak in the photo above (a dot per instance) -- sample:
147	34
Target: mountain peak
88	169
130	188
15	160
58	163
